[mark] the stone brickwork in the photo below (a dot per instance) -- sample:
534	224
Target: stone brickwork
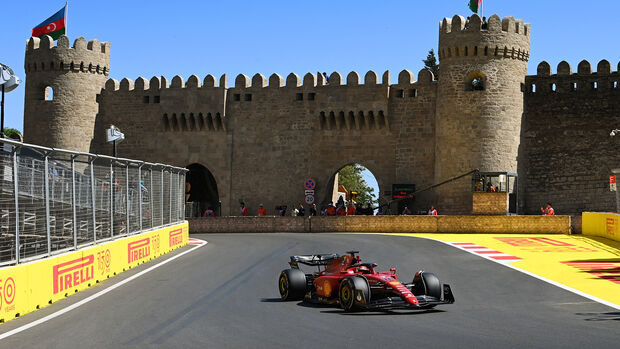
478	128
386	224
566	153
75	74
261	138
490	203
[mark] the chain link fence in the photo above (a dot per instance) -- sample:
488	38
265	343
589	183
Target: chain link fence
54	200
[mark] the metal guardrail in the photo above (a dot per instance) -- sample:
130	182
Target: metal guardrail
55	200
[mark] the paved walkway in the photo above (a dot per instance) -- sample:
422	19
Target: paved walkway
589	266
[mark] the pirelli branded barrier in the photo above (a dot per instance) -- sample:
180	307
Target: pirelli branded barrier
605	225
30	286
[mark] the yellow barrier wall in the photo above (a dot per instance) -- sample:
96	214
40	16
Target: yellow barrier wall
30	286
606	225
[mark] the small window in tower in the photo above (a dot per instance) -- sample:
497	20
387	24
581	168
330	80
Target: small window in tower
145	99
299	97
413	93
594	85
248	97
236	97
400	93
155	99
533	88
554	87
615	84
311	96
475	81
49	93
573	86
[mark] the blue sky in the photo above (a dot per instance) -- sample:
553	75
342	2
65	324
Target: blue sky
213	37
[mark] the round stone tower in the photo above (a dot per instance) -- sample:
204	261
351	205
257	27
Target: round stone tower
480	102
62	84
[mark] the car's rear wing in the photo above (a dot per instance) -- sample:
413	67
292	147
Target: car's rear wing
313	259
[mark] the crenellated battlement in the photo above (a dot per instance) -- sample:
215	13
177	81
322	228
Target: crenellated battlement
259	81
508	25
565	81
460	38
43	55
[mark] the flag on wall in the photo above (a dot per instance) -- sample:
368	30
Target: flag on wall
474	5
54	26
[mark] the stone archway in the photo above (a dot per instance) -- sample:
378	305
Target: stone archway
330	196
203	189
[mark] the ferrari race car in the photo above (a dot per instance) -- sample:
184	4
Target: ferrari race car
354	285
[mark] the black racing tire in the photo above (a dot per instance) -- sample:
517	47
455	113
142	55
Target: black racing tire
353	293
292	285
427	284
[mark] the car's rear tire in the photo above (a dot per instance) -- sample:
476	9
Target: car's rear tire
354	292
292	284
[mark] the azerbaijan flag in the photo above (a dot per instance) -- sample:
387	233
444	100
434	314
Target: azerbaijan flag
53	26
474	5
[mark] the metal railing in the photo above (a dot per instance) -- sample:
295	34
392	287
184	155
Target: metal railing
55	200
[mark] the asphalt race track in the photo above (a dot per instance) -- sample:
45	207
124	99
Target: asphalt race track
225	295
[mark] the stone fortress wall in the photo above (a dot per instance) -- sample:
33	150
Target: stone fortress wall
261	138
566	153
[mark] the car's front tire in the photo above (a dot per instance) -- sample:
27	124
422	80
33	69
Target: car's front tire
292	284
353	293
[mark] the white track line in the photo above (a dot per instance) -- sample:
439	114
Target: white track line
197	243
554	283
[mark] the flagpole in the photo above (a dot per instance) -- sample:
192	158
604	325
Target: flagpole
66	12
481	8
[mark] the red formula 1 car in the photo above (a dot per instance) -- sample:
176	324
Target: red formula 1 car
355	286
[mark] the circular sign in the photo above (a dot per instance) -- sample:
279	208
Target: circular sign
310	184
309	199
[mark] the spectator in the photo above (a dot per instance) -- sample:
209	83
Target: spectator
244	210
341	211
548	211
406	211
326	77
485	25
330	210
261	210
351	210
380	211
282	211
313	210
301	211
432	211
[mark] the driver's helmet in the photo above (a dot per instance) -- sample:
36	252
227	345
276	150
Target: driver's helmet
363	269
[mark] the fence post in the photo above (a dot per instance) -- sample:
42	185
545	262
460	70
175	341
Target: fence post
161	202
127	198
73	201
46	193
140	194
170	200
111	198
16	193
92	195
151	194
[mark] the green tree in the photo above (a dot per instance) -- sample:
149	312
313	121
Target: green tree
13	134
351	178
430	63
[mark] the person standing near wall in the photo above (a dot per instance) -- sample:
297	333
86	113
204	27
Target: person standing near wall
301	211
548	211
313	210
244	210
261	210
330	210
351	210
432	211
209	213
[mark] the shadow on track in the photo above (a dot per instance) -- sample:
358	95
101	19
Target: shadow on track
610	316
